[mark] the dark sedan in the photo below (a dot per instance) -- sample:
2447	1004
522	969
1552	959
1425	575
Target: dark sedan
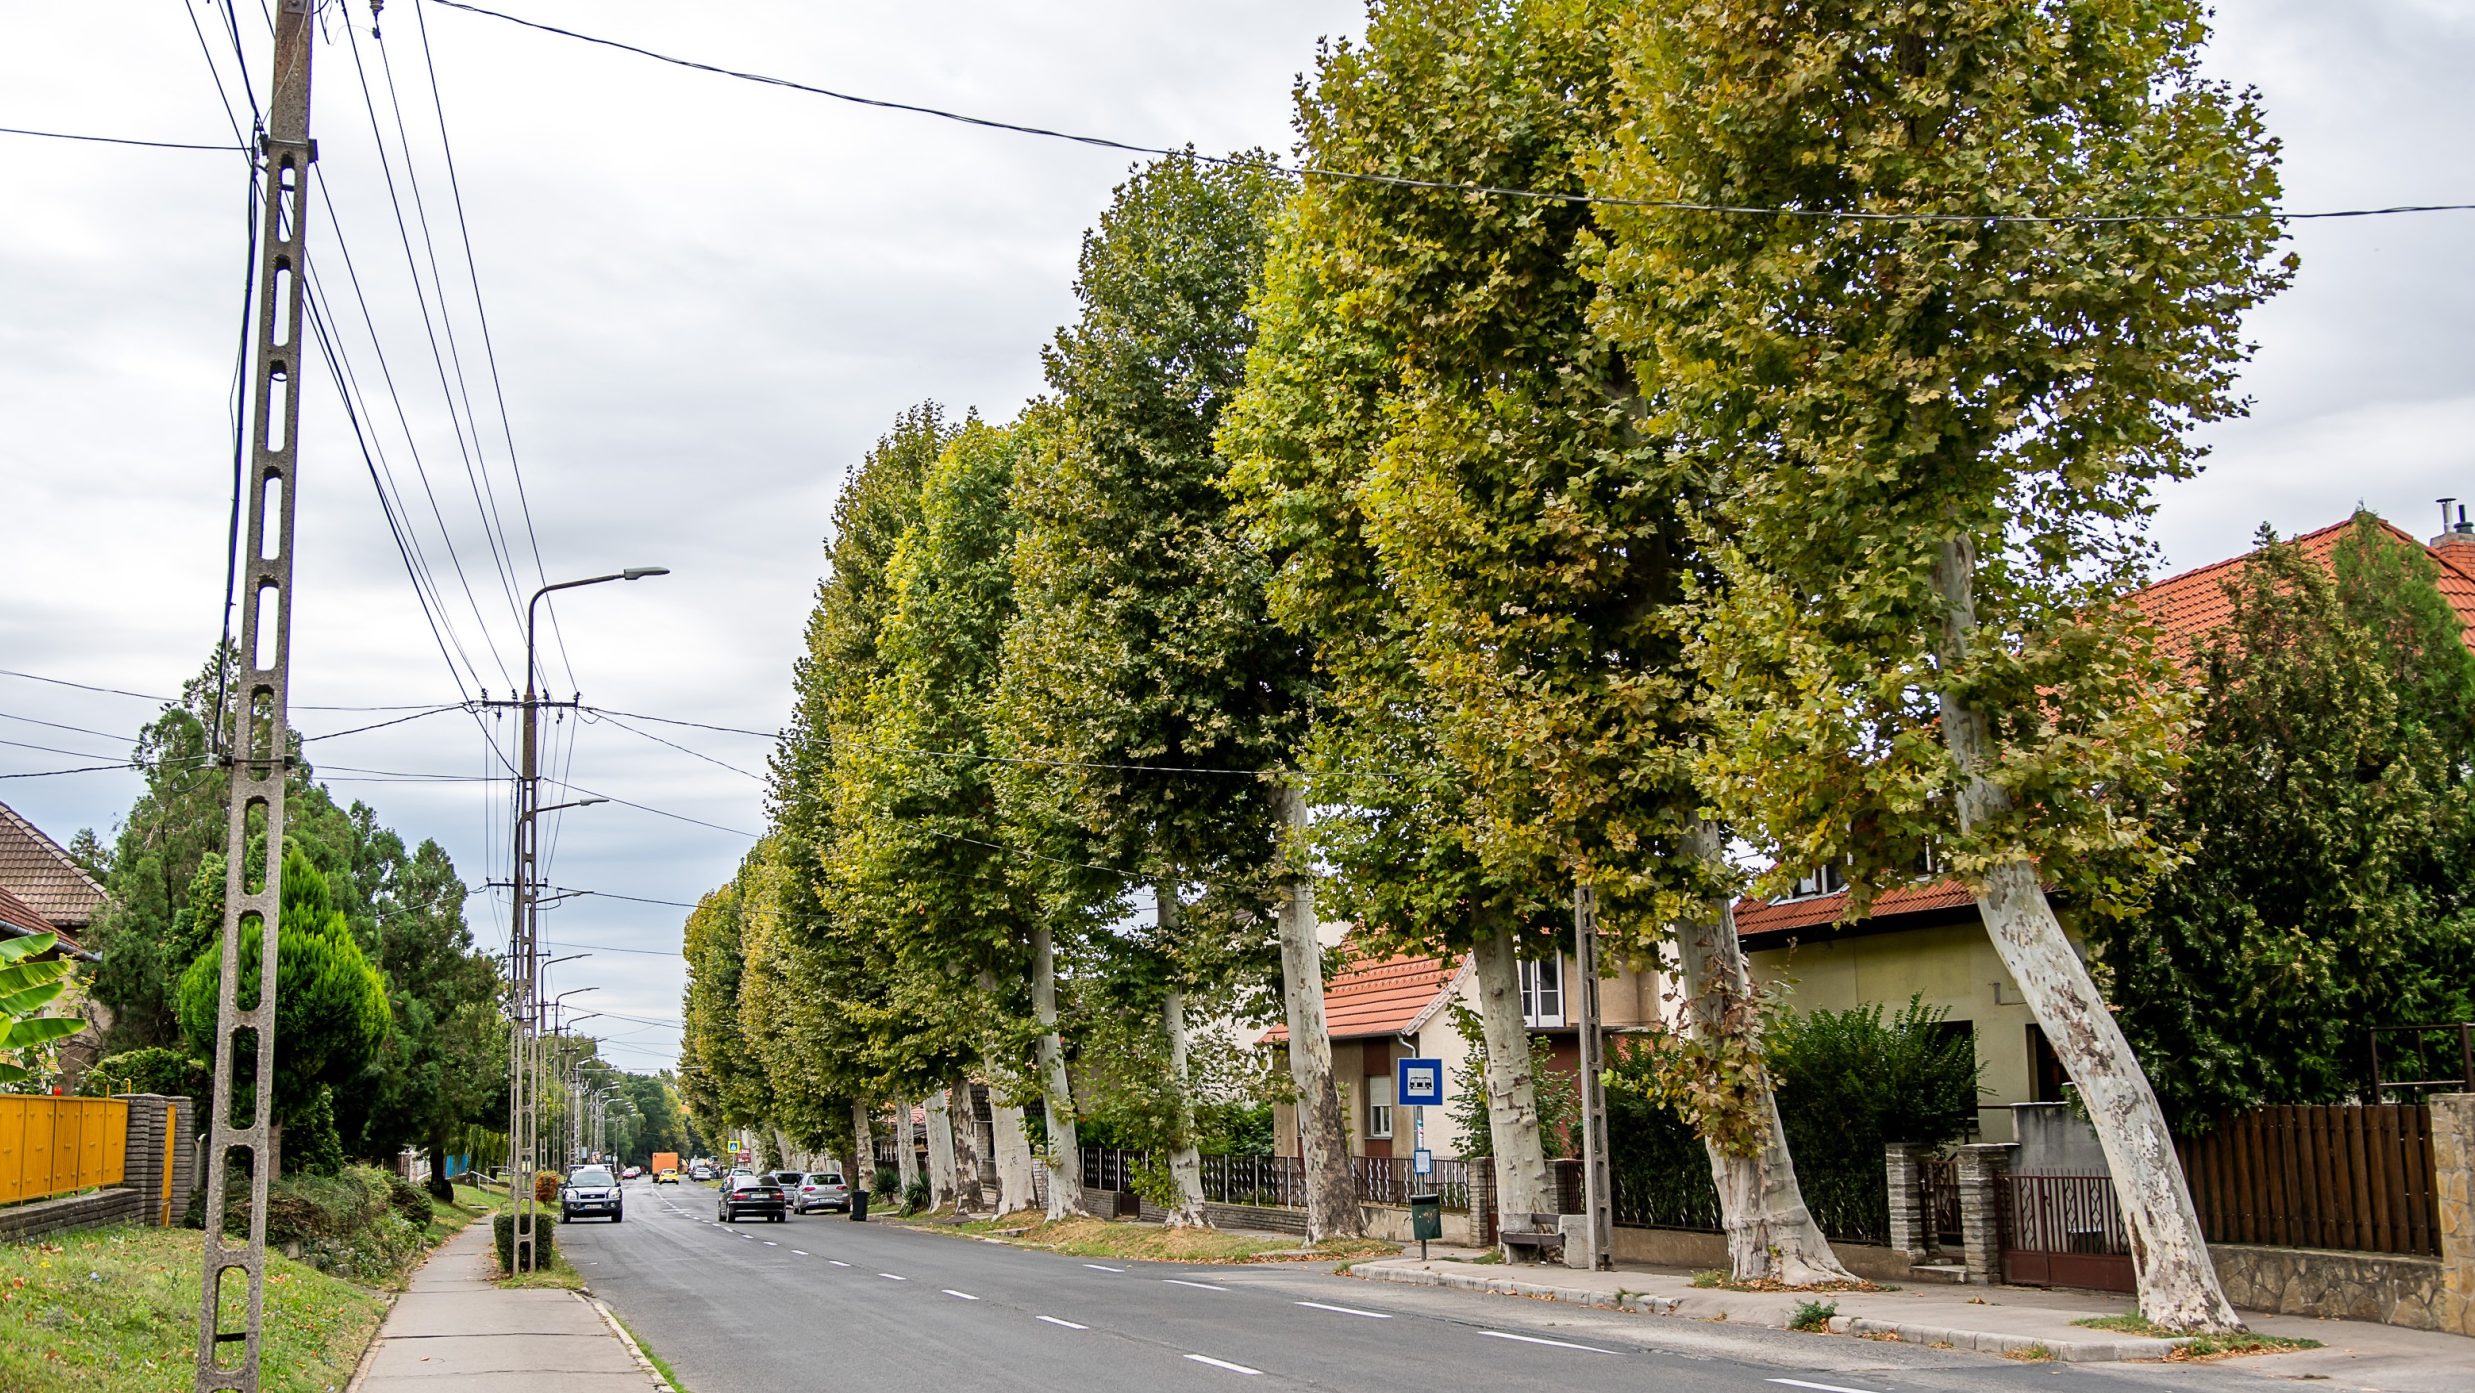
748	1194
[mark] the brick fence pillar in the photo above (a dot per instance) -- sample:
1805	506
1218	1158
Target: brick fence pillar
2453	1187
1900	1169
1980	1170
158	1160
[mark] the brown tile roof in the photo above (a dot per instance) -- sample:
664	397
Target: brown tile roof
17	918
41	874
2189	605
2185	606
1372	999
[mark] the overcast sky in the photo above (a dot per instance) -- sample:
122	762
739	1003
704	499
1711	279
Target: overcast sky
706	298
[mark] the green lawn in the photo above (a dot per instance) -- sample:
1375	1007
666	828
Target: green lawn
116	1311
446	1220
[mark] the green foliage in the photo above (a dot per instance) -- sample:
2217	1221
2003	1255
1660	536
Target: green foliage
545	1239
1812	1316
347	1222
915	1196
1869	394
1558	1094
26	987
331	1014
2328	817
311	1146
172	1073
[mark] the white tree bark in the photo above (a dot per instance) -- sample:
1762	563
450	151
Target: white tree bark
1185	1162
1332	1208
1522	1184
906	1147
863	1172
1013	1156
2170	1258
1771	1235
1065	1154
940	1152
969	1196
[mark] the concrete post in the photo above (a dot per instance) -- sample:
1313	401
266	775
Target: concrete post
1900	1170
2453	1187
1980	1170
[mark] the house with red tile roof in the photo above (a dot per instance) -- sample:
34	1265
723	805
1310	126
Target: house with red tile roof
44	890
1926	938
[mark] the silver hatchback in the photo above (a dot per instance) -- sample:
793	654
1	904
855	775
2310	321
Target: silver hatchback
822	1190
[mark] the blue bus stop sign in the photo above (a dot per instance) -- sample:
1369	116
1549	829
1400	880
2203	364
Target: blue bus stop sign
1418	1083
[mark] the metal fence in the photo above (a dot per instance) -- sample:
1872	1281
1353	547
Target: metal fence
2064	1231
59	1146
1279	1182
1937	1183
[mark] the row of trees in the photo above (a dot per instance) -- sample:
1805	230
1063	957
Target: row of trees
1532	543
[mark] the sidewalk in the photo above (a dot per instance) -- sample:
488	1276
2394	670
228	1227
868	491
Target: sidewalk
1992	1320
453	1330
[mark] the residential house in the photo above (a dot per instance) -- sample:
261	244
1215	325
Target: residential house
44	890
1927	938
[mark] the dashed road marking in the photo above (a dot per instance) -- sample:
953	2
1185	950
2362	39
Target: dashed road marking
1070	1325
1222	1364
797	1253
837	1262
1096	1267
1823	1387
958	1295
1205	1286
771	1244
1542	1340
1348	1310
892	1278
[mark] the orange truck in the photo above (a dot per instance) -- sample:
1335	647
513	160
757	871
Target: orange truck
665	1166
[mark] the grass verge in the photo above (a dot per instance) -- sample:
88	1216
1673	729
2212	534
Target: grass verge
2198	1348
560	1275
1108	1238
447	1220
1714	1279
116	1311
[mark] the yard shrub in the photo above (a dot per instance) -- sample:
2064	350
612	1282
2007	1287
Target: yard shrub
545	1239
546	1187
172	1073
349	1223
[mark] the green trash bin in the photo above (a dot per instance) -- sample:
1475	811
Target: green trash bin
1426	1220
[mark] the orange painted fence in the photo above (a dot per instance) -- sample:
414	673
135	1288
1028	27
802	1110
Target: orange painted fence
59	1146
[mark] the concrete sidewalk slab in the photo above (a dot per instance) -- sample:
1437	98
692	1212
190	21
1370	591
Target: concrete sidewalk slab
452	1328
1990	1320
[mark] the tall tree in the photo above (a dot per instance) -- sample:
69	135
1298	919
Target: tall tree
2325	814
1936	436
1140	652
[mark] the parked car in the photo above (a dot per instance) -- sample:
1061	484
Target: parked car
700	1171
821	1190
591	1190
749	1194
790	1182
632	1173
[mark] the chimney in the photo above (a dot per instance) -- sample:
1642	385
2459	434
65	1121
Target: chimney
2455	534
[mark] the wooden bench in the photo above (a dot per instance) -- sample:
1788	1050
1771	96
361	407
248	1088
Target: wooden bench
1539	1234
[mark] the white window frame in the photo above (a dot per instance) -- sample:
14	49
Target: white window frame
1542	985
1828	880
1379	1103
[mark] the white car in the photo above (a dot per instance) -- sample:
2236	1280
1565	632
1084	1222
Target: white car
822	1190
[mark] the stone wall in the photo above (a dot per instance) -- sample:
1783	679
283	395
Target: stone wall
2390	1288
92	1210
2453	1186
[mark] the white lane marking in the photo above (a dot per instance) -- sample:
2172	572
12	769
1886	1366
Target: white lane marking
1070	1325
1180	1281
837	1262
1540	1340
797	1253
1222	1364
1824	1387
771	1244
958	1295
892	1278
1098	1268
1349	1310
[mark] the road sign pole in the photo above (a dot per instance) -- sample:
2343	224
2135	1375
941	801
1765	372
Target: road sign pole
1594	1179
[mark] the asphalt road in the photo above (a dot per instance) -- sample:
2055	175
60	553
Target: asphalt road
818	1302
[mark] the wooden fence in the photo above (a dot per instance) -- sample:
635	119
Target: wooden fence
2320	1176
59	1146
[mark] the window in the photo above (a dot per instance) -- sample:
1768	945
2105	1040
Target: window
1826	881
1379	1108
1542	992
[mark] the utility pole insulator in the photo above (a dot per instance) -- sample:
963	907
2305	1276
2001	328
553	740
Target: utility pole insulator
232	1301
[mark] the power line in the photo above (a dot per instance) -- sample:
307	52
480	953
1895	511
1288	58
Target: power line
608	895
647	808
124	140
673	744
1308	171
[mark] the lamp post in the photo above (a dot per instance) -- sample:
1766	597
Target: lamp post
523	1106
566	1064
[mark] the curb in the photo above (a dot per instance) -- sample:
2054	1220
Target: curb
634	1350
1983	1342
2133	1350
1640	1303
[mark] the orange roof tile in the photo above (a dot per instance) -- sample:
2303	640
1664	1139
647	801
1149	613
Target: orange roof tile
2189	605
1372	999
1756	916
17	918
43	875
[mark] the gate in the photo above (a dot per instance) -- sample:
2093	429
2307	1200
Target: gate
2064	1231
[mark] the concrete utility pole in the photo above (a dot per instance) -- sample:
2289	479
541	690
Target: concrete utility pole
230	1322
1595	1198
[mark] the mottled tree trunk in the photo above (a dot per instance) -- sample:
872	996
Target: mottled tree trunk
863	1174
1013	1157
969	1198
1771	1235
1332	1208
906	1148
940	1152
1522	1185
1185	1162
2177	1280
1065	1154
